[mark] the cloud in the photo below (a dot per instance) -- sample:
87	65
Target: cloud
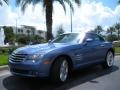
92	14
7	16
88	16
32	16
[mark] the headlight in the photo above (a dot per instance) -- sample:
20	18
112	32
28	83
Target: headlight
35	56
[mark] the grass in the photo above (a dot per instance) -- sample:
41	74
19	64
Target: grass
3	59
4	56
117	49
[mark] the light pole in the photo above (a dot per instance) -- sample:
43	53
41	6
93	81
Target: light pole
71	17
16	26
16	29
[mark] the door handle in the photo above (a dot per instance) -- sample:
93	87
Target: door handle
102	45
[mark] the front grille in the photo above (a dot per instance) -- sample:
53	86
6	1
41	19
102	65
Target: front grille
20	71
17	57
25	72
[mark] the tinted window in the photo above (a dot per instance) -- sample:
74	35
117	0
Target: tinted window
99	38
94	37
66	38
89	36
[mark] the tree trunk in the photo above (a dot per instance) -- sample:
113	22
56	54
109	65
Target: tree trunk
111	36
49	9
111	33
118	33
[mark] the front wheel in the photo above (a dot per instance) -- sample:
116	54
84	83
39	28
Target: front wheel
109	60
60	70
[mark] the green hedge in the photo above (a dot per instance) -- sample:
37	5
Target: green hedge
8	50
4	59
117	49
4	54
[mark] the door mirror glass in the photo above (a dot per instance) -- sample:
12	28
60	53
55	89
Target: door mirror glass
50	41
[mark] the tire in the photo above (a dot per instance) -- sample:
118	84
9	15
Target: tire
109	60
60	70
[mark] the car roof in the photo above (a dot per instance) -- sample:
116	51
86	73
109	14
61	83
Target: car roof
79	32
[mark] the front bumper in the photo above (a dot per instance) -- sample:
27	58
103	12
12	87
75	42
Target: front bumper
29	69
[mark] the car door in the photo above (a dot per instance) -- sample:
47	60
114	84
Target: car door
100	48
86	54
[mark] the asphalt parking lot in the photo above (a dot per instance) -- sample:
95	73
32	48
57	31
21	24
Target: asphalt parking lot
92	78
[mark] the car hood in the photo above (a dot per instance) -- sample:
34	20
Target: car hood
31	49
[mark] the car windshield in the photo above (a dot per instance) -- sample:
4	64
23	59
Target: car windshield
67	38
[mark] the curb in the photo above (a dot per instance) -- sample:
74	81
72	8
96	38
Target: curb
117	54
4	67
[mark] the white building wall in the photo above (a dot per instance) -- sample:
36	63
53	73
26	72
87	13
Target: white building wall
2	36
43	34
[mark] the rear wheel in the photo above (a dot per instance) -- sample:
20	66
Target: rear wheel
60	70
109	60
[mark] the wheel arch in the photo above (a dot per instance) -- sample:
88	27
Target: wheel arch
112	50
104	64
69	59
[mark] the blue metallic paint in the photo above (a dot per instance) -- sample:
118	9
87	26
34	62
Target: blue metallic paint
80	54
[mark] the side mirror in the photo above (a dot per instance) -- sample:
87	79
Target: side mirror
89	40
50	41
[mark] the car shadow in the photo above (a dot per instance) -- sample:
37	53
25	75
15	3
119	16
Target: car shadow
77	78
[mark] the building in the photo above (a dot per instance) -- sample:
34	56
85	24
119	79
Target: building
2	36
41	33
24	29
29	30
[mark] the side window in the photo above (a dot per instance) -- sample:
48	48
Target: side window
99	38
89	36
94	37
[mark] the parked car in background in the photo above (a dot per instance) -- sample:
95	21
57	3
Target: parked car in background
116	43
56	59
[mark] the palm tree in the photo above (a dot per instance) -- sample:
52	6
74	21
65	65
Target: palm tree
1	3
117	28
60	30
118	1
111	36
48	6
28	33
111	30
98	29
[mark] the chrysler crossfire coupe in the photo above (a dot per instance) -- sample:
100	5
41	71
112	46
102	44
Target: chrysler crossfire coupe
57	58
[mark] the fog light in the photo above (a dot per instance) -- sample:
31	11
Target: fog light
33	73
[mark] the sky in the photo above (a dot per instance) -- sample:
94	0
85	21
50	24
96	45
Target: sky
86	17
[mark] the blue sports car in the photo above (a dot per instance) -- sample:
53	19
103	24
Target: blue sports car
57	58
